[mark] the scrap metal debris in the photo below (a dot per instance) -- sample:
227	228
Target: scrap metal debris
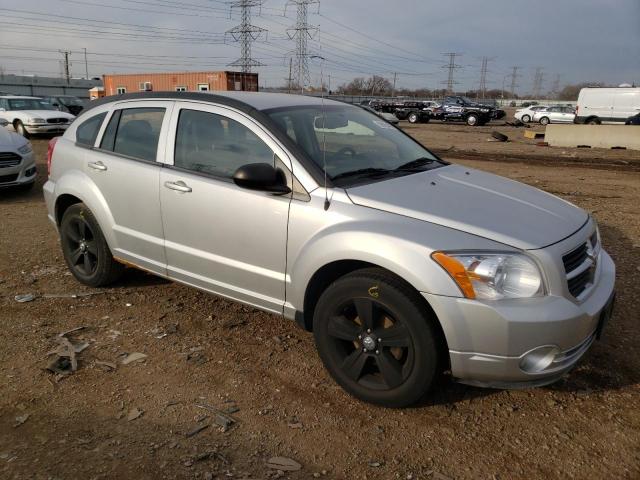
20	419
71	295
134	413
25	297
196	430
65	362
283	463
133	357
222	419
107	366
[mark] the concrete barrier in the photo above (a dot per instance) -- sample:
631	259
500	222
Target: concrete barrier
595	136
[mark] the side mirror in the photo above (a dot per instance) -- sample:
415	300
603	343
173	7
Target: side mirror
3	122
263	177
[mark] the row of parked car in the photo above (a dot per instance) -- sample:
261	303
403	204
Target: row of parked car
452	108
21	117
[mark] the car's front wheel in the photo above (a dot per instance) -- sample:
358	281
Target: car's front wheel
413	118
19	127
85	249
472	120
545	121
376	338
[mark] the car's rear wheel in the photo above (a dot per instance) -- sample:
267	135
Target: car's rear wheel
413	117
85	249
376	338
19	127
593	121
545	121
525	119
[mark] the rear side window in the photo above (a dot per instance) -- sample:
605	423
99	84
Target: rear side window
216	145
134	132
87	132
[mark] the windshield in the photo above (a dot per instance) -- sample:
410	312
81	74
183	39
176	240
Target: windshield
353	142
29	104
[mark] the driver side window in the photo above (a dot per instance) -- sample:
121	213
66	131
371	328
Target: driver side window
216	145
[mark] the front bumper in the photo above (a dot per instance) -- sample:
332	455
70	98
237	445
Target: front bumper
46	128
489	340
22	174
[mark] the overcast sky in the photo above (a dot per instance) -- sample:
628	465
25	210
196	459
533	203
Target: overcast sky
580	40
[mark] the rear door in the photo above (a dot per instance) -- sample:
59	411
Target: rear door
125	165
626	103
218	236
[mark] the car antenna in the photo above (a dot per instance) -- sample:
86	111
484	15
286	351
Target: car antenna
327	203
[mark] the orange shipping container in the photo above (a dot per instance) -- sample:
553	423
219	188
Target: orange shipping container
118	84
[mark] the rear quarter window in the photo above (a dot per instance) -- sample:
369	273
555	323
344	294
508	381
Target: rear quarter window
87	131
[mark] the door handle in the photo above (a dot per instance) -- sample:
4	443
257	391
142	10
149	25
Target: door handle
178	186
97	166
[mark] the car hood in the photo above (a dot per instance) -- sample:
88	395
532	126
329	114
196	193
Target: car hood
476	202
46	114
10	140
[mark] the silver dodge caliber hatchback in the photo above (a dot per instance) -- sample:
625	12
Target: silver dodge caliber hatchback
402	265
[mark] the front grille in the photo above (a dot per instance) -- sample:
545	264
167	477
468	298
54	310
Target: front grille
580	266
57	120
578	284
575	258
9	159
8	178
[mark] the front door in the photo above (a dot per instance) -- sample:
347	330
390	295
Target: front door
218	236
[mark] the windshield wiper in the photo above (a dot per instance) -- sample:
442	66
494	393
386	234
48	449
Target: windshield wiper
416	164
370	172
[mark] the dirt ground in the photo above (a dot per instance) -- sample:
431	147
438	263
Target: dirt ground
141	420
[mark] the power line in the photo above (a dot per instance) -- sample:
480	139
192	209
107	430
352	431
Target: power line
451	66
537	82
301	32
246	34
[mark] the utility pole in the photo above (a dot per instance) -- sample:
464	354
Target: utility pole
451	66
86	65
514	79
537	83
302	32
67	71
246	34
395	77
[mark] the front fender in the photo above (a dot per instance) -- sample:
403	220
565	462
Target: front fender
397	243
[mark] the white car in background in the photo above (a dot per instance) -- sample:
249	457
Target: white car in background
32	115
17	160
526	114
555	114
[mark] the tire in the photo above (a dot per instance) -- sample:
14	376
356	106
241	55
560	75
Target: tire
525	119
426	119
413	117
85	249
389	358
593	121
19	127
472	120
545	121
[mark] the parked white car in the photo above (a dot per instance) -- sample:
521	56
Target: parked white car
607	105
556	114
32	115
17	160
526	114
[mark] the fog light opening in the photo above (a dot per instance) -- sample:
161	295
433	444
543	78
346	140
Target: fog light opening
539	359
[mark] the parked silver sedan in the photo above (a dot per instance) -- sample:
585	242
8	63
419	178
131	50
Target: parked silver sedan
402	265
555	114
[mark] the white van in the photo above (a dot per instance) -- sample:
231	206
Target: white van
607	105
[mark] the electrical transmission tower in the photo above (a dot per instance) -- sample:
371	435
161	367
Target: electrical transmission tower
301	32
537	83
555	88
452	66
514	80
483	75
246	34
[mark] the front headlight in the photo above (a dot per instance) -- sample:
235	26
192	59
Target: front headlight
36	120
25	149
492	276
